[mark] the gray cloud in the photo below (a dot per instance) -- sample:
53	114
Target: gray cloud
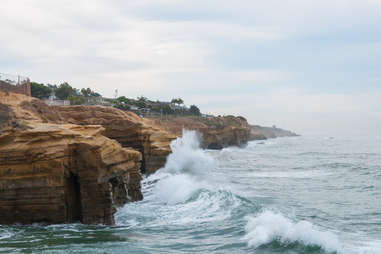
298	64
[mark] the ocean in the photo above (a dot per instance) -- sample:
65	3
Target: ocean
308	194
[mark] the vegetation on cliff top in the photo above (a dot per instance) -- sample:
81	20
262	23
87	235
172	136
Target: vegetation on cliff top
141	105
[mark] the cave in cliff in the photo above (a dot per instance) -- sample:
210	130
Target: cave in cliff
73	199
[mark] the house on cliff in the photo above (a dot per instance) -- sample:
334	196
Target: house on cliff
53	101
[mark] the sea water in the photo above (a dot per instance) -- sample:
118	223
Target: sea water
288	195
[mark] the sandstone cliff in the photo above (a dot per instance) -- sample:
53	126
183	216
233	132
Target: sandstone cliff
152	136
128	129
52	172
216	132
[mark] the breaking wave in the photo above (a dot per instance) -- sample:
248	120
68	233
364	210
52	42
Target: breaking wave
185	170
180	193
269	226
273	229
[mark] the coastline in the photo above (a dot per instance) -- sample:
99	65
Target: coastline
60	164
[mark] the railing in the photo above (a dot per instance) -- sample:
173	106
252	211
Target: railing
57	102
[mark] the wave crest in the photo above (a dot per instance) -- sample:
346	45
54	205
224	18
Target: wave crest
269	226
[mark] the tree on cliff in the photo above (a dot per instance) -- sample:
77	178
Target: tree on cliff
87	92
177	101
40	90
194	110
123	103
165	109
141	102
64	91
76	100
123	100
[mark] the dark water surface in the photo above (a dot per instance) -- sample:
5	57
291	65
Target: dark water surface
288	195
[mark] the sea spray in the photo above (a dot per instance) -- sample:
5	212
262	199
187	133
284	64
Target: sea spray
176	188
187	156
183	192
185	170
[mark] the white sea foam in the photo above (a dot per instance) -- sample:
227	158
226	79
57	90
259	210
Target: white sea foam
179	193
176	188
269	226
204	206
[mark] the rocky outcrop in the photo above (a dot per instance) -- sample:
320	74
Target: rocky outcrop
259	132
216	132
52	172
128	129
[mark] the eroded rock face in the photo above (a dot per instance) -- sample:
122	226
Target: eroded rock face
152	136
128	129
62	173
216	132
55	173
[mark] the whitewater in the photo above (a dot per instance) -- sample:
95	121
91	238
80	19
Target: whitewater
311	194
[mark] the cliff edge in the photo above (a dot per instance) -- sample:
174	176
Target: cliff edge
128	129
216	132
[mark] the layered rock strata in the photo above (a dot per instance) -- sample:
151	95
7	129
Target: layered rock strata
55	173
128	129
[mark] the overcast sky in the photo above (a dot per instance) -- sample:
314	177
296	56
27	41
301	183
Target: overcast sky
304	65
